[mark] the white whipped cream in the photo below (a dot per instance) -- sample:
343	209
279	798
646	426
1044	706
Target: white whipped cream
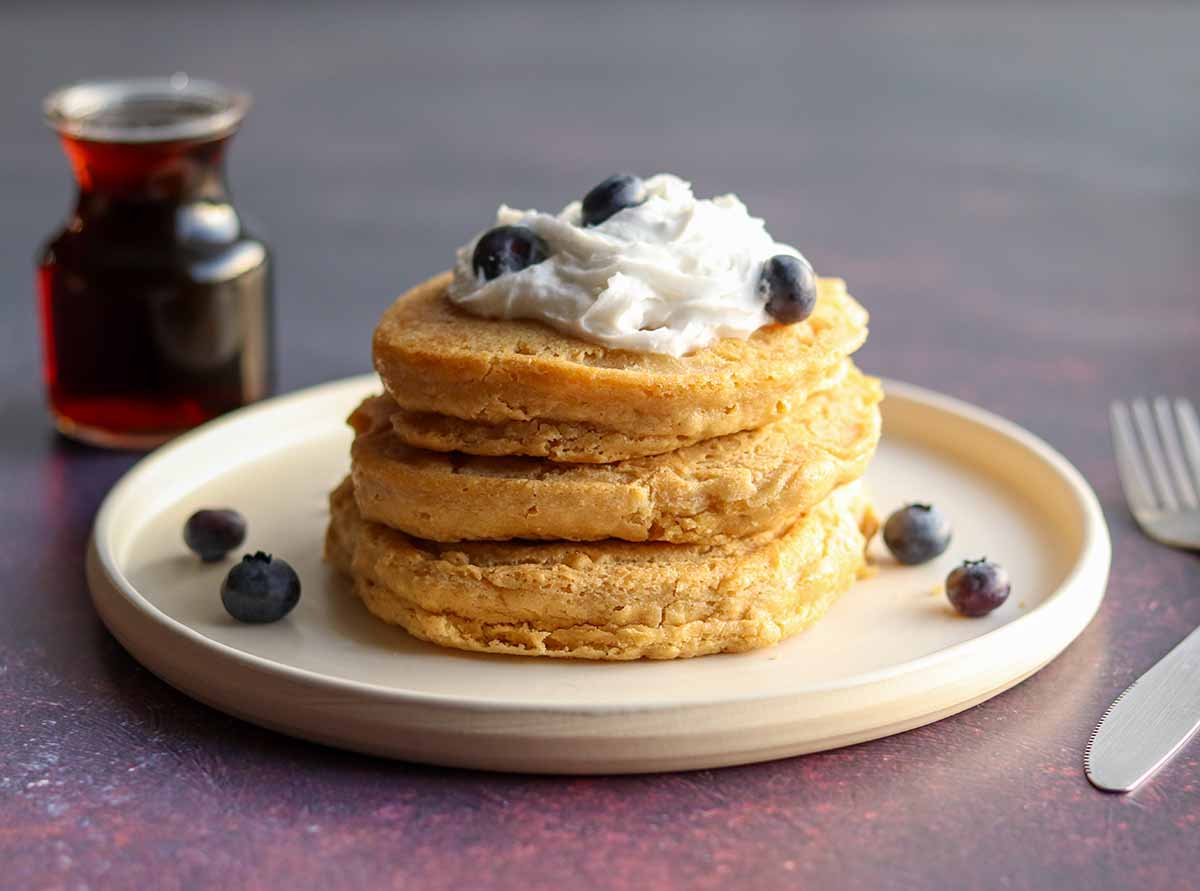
671	275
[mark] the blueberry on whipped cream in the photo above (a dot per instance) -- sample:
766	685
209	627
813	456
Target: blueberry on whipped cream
637	265
789	288
616	193
507	249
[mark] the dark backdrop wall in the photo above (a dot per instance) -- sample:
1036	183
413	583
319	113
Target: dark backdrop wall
961	167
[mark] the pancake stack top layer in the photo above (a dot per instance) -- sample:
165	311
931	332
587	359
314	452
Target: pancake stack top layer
518	387
517	490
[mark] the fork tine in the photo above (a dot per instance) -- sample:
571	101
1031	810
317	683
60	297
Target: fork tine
1174	453
1189	429
1131	468
1154	456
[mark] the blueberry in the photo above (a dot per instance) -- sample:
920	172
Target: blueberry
916	534
977	587
214	533
260	589
619	191
507	249
789	287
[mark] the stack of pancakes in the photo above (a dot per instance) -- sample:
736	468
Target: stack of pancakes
517	490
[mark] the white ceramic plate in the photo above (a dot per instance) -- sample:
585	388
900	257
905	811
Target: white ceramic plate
890	655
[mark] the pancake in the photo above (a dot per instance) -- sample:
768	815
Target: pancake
524	387
608	600
561	441
730	487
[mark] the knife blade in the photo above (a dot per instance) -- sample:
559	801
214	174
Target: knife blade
1149	722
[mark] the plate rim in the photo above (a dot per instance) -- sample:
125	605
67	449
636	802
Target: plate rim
1091	566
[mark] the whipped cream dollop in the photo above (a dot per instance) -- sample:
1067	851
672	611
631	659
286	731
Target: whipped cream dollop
670	275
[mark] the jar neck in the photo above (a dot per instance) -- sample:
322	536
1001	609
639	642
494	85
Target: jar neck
166	172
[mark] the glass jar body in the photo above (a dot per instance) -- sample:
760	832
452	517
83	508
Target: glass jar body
155	298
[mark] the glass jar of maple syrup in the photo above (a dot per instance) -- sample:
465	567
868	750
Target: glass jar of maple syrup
155	299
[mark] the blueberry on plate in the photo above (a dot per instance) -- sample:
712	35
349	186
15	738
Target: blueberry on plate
789	287
977	587
213	533
260	589
619	191
507	249
916	533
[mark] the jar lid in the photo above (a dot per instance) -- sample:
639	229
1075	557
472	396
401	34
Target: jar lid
150	109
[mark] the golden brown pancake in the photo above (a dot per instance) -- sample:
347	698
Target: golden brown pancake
522	386
729	487
609	600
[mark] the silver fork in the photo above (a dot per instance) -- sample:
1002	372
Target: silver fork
1161	476
1158	458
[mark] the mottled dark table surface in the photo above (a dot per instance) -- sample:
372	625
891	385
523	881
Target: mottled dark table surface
1013	192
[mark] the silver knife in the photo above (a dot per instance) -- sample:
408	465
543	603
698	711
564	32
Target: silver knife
1149	722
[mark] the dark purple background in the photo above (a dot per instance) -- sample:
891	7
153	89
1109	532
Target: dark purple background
1015	194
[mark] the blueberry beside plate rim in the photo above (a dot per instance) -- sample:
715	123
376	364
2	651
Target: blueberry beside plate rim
918	532
258	589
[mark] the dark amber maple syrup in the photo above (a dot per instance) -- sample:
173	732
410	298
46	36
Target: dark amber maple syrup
155	300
